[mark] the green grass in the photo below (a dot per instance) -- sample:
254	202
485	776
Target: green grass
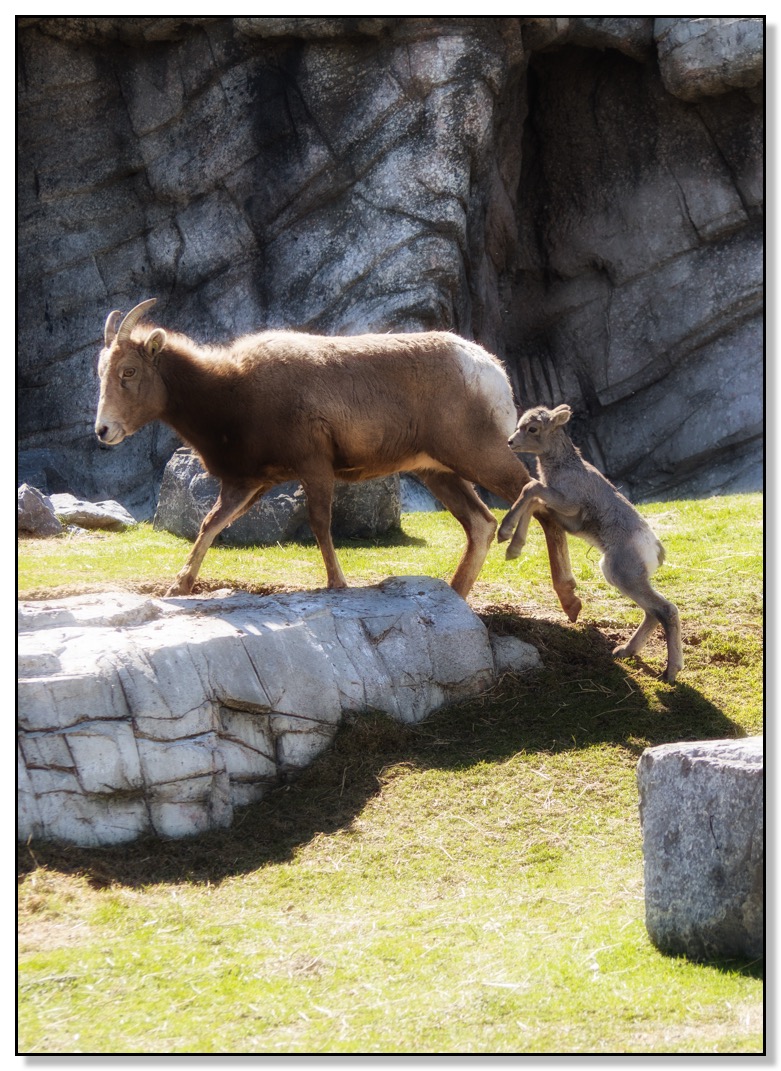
470	885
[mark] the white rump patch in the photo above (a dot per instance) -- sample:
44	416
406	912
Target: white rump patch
647	546
483	373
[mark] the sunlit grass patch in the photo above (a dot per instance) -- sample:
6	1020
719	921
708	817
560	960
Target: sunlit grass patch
473	884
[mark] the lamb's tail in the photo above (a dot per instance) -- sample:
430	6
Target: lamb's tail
660	552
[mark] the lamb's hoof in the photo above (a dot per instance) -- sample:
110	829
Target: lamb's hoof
622	651
513	552
504	534
670	674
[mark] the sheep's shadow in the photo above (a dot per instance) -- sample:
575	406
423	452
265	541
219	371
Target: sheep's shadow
581	698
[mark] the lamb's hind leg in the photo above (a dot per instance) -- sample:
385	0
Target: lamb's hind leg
628	573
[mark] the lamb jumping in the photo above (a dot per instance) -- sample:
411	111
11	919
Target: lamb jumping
281	405
586	504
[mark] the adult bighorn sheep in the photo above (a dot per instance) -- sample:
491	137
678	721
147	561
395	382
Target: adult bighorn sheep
588	505
281	405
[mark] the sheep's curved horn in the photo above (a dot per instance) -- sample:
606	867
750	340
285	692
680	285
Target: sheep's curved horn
110	330
132	319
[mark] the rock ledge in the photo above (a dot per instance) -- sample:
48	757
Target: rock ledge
140	715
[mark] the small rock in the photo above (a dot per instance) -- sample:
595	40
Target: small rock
109	514
707	56
35	513
512	655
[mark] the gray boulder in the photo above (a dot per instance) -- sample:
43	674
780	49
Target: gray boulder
187	493
707	56
35	513
415	497
109	515
702	815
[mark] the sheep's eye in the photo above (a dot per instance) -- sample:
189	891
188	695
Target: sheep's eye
532	429
128	373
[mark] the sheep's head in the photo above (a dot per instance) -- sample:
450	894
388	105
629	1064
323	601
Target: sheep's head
536	427
131	390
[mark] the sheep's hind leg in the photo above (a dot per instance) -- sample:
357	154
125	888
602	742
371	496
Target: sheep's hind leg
533	500
232	503
460	497
318	486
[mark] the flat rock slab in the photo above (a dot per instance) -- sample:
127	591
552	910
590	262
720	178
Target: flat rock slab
140	715
108	514
702	814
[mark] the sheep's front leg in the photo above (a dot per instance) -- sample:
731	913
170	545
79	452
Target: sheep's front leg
233	502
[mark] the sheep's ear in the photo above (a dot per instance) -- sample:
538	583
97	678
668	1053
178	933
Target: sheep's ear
560	415
155	342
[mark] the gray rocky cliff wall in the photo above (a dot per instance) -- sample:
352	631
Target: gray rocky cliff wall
582	196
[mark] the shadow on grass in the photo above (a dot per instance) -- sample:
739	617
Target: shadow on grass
581	699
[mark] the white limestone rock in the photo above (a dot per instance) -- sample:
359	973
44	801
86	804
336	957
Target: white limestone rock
142	715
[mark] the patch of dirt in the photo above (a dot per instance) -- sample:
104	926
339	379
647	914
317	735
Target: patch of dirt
157	589
35	934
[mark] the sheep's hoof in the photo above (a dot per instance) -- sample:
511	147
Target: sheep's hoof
572	609
513	552
502	536
622	651
179	587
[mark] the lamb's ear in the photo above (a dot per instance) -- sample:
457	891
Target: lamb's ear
155	342
560	415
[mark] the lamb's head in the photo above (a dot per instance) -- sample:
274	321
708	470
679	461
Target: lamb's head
131	390
538	428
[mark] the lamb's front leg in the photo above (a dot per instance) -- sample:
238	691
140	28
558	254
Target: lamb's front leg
518	541
511	518
534	494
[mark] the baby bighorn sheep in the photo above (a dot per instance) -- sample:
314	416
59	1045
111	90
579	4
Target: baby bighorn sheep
586	504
